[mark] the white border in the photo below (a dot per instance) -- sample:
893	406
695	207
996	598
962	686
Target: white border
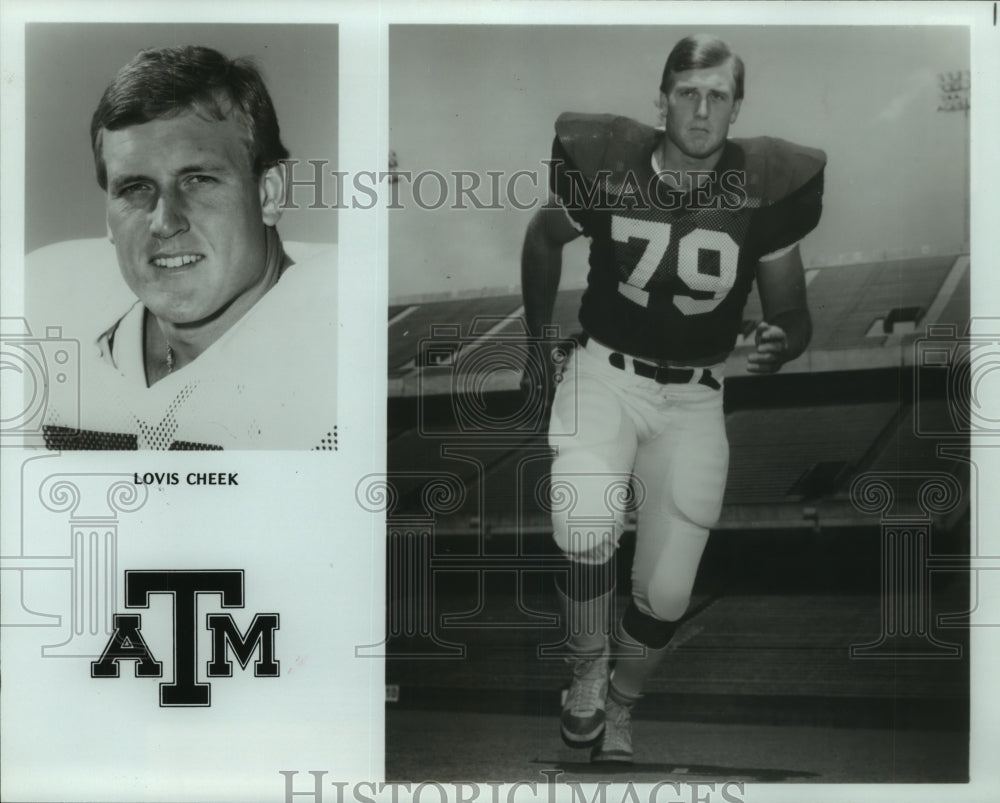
363	259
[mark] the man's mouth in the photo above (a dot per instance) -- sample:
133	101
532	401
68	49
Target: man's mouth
178	261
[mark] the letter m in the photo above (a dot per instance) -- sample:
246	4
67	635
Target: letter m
579	796
226	636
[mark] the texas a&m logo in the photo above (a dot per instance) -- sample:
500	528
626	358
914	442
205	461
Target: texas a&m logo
127	643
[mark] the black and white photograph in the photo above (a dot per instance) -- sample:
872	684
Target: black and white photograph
499	401
170	254
680	405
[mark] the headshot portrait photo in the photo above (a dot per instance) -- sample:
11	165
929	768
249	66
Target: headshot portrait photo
180	273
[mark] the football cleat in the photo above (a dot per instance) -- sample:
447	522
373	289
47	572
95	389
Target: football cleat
582	717
615	746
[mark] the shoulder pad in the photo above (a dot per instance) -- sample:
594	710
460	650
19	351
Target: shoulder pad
775	168
75	284
604	141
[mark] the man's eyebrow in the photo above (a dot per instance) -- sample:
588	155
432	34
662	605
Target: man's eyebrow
707	90
204	167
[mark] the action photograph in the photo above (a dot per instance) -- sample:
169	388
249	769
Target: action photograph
679	405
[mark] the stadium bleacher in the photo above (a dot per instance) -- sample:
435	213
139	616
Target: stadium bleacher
794	440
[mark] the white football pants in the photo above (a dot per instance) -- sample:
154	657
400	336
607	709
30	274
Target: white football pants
609	425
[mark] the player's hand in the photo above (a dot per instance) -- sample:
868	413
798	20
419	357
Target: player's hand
538	380
771	351
546	363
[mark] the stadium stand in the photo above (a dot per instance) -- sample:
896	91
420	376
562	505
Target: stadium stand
844	407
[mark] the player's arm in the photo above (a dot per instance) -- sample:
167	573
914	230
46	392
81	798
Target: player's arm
541	267
787	326
541	263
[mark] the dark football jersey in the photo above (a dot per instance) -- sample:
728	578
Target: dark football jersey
670	271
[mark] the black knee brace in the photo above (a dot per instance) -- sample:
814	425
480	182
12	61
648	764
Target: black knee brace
583	581
645	629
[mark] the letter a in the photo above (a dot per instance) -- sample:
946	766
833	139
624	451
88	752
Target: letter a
126	644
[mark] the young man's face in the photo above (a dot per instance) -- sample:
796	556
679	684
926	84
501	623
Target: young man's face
187	216
700	108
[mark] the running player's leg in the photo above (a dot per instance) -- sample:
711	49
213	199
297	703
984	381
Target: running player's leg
591	469
683	476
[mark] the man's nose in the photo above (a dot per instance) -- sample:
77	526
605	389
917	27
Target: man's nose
702	108
168	217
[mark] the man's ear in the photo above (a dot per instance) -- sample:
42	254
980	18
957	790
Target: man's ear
272	194
736	111
107	224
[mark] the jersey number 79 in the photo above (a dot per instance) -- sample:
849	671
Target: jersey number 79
656	235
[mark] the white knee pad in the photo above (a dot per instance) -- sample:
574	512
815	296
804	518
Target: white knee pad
696	492
588	512
668	604
585	541
665	570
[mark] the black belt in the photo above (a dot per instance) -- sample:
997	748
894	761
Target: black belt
664	374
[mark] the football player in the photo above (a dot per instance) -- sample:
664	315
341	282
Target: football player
188	151
681	221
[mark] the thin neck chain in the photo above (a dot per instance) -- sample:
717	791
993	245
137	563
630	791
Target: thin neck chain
170	359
